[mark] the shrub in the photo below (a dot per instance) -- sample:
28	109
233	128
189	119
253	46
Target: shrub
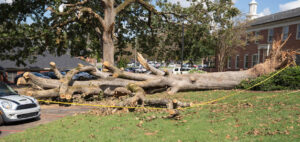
122	63
196	71
288	79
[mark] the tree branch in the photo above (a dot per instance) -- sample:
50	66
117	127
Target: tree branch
97	16
149	67
77	4
127	75
146	5
55	70
75	7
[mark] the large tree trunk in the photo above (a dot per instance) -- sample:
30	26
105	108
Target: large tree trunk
108	31
137	84
108	47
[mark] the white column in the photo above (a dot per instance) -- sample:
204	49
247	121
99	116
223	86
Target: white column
258	54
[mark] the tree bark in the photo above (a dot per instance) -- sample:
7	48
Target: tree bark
136	84
108	48
108	31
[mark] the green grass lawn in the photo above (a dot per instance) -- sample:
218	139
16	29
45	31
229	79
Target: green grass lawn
250	116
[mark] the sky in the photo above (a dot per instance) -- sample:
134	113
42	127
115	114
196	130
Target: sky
265	7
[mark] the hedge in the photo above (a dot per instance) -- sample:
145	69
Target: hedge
288	79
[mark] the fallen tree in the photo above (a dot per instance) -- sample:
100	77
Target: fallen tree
117	83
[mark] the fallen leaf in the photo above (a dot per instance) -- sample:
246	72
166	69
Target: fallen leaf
140	124
151	133
211	131
255	132
237	125
227	136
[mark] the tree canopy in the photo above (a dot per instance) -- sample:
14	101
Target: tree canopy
30	27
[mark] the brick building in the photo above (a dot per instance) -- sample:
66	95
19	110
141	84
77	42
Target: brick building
269	27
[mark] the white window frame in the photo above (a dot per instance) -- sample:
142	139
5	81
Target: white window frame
298	32
285	35
247	39
229	62
269	31
256	35
253	59
246	55
237	61
11	76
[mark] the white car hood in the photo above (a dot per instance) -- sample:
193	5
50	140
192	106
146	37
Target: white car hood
17	99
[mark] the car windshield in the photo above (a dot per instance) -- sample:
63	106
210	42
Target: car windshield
5	90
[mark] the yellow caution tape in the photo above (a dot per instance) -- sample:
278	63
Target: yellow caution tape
103	106
195	105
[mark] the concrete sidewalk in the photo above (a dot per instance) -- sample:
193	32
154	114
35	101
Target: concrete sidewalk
49	113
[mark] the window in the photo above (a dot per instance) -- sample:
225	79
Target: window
246	61
298	60
270	35
229	63
237	61
247	39
256	37
11	76
298	32
254	59
265	54
285	32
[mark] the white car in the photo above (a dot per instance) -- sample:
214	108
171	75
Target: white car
179	70
140	70
15	107
171	65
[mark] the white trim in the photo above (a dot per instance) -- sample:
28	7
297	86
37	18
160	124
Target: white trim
268	51
298	30
237	62
245	61
253	59
273	26
258	54
264	46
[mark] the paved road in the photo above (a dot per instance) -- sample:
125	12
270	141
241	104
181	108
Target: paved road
49	113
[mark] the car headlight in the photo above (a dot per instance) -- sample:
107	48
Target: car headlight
6	105
35	101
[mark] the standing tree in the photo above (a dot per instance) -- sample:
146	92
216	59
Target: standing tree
229	39
80	27
105	18
229	32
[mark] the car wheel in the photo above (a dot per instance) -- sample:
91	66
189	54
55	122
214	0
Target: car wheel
81	78
37	118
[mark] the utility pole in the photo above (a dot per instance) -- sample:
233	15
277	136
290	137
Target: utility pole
136	44
182	44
